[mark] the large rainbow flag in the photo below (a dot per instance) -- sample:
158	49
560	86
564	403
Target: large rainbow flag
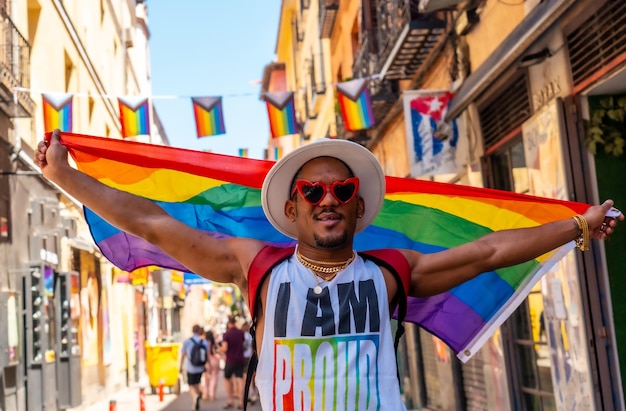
134	116
209	116
281	113
220	195
57	111
356	104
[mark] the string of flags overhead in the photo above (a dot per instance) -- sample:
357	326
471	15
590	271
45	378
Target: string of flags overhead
134	112
431	142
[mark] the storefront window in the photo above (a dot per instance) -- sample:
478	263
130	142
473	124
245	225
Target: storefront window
528	351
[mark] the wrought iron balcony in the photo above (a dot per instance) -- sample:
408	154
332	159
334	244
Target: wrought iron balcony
328	14
14	71
384	92
406	37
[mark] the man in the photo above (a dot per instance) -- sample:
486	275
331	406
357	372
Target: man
320	194
233	348
194	371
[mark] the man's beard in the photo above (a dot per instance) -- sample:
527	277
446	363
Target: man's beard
330	241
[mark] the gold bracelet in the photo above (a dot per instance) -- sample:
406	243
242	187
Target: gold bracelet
582	242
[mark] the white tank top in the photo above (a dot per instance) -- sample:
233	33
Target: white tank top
327	351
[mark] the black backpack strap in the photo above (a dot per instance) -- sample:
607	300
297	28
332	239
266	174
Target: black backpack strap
251	369
397	264
261	266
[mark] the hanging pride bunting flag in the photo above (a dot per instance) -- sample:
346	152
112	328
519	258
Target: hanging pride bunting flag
57	111
209	116
221	195
243	152
281	112
134	116
278	152
356	104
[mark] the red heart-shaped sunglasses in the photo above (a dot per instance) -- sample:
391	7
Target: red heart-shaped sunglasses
314	192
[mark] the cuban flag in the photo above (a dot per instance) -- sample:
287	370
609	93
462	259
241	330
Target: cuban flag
431	141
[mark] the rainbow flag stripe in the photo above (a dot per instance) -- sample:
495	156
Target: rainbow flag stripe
134	116
281	112
278	152
220	195
356	104
209	116
57	111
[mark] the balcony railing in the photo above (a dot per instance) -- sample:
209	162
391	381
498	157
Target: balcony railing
366	64
14	71
328	14
406	37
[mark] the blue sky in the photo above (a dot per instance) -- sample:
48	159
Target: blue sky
212	48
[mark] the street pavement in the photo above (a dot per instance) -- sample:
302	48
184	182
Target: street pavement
127	399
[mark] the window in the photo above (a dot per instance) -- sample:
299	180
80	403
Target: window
524	336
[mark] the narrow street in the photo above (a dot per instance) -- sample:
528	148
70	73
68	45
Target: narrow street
127	399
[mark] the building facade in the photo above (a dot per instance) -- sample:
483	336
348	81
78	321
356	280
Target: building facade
537	95
59	296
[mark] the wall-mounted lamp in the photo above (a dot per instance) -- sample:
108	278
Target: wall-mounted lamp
535	58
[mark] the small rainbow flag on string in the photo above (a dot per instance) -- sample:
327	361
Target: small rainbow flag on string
243	152
134	116
57	111
278	152
281	112
209	116
356	104
220	195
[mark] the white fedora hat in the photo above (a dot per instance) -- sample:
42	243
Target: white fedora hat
364	165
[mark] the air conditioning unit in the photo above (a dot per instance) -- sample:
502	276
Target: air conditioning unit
427	6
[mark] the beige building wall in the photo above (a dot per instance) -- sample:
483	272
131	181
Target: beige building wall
97	51
343	41
497	21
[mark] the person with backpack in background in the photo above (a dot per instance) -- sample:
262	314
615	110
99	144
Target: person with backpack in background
194	359
211	376
322	321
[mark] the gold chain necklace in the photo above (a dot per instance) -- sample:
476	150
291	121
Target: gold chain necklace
325	265
322	267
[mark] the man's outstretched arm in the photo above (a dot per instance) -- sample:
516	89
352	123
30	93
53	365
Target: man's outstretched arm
438	272
218	260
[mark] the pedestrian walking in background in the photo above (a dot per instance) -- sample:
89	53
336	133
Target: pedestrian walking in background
194	360
212	373
233	346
